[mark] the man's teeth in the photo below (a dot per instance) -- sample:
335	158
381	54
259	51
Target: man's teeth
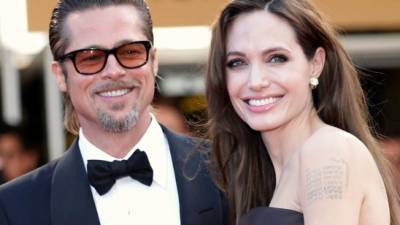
265	101
114	93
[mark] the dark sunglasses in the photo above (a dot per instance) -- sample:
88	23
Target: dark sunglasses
90	61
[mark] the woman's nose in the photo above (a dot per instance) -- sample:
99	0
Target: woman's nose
258	78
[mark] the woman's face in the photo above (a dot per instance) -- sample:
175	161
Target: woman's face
267	72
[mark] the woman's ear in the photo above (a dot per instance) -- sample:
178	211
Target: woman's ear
60	76
318	62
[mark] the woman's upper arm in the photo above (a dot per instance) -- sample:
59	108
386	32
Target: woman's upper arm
335	175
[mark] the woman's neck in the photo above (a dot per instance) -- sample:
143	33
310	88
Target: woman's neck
285	140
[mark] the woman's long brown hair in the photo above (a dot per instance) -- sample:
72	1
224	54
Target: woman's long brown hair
243	168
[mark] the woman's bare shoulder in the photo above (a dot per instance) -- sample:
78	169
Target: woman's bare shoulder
330	141
332	151
338	173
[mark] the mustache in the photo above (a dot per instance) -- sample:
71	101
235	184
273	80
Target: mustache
115	85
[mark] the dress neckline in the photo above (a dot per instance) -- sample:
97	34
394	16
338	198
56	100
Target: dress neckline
271	216
277	209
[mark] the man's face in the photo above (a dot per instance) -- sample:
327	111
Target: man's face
116	99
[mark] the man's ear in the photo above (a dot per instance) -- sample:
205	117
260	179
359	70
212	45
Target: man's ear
318	62
154	61
60	76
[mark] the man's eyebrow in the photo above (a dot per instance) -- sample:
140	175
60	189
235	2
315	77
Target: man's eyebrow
125	41
96	46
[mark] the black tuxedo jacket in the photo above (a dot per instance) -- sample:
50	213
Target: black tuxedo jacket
59	193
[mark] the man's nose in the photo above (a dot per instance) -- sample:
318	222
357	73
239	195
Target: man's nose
113	69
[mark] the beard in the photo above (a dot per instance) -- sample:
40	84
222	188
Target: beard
118	125
107	120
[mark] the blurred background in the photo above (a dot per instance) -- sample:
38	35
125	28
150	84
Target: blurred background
32	108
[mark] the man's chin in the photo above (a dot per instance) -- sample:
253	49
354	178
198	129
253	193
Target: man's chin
118	124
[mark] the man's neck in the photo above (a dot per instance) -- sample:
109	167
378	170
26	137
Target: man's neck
118	144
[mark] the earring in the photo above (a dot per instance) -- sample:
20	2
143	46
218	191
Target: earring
313	82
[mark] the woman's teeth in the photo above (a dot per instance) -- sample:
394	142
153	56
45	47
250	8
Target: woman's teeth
261	102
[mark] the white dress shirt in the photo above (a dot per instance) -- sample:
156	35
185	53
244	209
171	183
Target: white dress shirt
129	201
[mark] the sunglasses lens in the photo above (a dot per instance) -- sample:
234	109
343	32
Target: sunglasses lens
132	55
90	61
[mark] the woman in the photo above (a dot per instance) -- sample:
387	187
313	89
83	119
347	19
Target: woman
288	120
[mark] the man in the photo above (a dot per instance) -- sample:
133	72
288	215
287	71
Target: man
124	168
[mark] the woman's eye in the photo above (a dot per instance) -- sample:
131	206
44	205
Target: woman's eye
235	63
278	59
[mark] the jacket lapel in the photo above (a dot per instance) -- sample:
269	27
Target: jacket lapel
71	199
198	198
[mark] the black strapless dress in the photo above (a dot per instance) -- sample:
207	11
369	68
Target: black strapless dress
272	216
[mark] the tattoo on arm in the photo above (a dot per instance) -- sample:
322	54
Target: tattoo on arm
327	182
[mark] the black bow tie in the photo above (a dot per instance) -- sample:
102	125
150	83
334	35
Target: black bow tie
102	174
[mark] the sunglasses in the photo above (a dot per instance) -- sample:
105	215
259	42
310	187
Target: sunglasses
90	61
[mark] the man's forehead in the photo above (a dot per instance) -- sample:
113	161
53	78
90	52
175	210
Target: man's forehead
104	26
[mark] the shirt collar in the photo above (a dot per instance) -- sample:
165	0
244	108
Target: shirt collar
153	142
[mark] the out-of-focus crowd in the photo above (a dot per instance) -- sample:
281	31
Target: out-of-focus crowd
18	153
